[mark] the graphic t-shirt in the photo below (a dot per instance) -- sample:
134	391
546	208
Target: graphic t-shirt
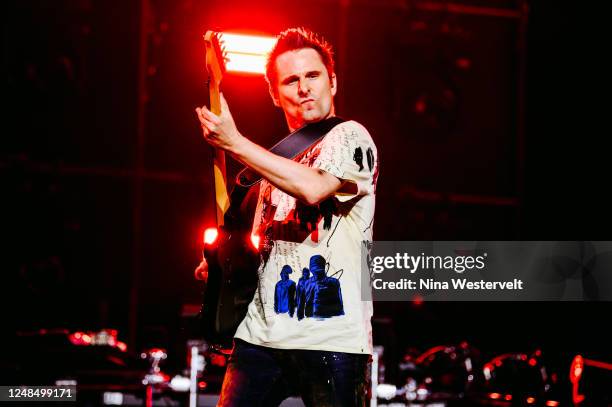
309	291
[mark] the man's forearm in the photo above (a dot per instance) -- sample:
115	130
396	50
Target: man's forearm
304	183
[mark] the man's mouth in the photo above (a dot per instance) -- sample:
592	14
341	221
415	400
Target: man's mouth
306	101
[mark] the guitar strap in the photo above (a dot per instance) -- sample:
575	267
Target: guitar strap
292	146
289	147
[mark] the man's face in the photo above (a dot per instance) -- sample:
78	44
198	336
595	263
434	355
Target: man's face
303	87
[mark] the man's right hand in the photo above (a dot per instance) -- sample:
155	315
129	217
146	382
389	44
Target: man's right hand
201	272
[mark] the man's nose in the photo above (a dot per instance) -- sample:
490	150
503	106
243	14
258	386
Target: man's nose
303	88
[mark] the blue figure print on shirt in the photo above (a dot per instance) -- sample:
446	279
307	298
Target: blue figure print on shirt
324	299
304	287
284	294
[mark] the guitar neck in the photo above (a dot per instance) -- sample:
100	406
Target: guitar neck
221	195
215	67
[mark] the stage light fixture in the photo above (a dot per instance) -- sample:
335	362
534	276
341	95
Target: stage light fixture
246	53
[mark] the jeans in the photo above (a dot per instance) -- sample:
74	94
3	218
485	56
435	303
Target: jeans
260	376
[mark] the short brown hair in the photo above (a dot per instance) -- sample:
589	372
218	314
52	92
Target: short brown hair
294	39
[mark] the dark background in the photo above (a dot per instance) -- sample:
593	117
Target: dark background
486	117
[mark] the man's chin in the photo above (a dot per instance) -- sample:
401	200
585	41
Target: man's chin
312	117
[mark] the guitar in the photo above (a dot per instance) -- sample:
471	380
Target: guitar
232	257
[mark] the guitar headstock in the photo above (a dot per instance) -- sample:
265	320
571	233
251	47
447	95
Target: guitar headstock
215	56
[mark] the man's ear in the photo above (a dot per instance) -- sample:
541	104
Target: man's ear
333	84
274	96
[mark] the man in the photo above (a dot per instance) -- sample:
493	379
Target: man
319	204
302	292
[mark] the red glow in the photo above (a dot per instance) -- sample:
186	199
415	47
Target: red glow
121	346
575	374
508	397
595	363
255	241
210	235
532	362
417	300
576	369
86	338
530	400
420	106
552	403
202	385
429	352
494	396
463	63
218	360
78	335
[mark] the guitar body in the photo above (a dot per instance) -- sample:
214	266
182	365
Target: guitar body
232	271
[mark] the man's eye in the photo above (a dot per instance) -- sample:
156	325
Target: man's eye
313	75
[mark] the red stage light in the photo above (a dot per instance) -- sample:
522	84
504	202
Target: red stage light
494	396
598	364
246	53
121	346
508	397
247	44
530	400
210	235
246	63
532	362
255	241
576	369
552	403
574	375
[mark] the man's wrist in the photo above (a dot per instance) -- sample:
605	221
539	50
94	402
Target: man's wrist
239	145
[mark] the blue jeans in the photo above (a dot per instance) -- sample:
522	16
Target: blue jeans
260	376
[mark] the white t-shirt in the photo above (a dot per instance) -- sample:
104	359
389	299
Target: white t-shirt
321	308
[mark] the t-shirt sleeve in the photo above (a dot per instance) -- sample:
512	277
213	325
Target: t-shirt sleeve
349	153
